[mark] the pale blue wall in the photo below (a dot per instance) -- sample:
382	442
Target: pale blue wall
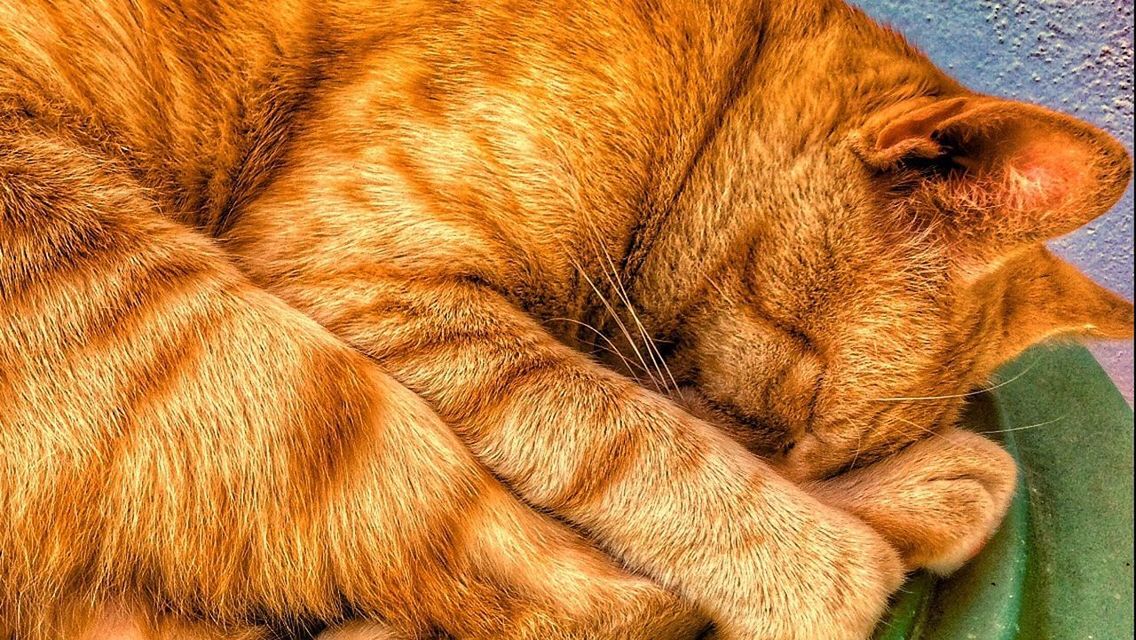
1073	55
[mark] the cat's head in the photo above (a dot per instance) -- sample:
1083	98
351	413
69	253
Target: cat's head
852	258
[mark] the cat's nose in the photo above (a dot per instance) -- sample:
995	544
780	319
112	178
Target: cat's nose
800	462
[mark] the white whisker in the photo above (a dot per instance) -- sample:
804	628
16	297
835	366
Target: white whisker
619	323
930	432
714	285
1027	427
649	344
611	348
959	395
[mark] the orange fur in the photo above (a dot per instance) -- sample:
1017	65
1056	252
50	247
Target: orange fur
316	313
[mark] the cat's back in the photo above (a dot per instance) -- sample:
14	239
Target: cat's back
202	99
205	100
195	97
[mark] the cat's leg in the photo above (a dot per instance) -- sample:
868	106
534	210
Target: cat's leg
665	492
174	438
112	622
938	501
360	631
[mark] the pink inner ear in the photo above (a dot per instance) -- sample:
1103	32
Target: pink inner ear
1046	176
1037	185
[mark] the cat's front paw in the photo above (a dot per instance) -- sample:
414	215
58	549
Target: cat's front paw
938	502
361	631
835	585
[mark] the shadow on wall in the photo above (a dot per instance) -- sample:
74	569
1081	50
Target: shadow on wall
1071	55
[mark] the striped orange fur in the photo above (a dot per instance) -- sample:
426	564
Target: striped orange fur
536	320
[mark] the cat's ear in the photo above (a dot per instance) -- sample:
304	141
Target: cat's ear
1000	174
1034	296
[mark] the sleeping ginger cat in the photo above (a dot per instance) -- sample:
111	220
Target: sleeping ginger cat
303	307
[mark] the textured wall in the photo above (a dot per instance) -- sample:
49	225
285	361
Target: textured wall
1072	55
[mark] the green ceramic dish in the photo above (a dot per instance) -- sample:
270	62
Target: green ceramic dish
1060	568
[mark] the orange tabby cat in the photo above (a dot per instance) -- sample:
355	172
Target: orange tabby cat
296	302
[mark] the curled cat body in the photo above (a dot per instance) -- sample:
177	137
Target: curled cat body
539	320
